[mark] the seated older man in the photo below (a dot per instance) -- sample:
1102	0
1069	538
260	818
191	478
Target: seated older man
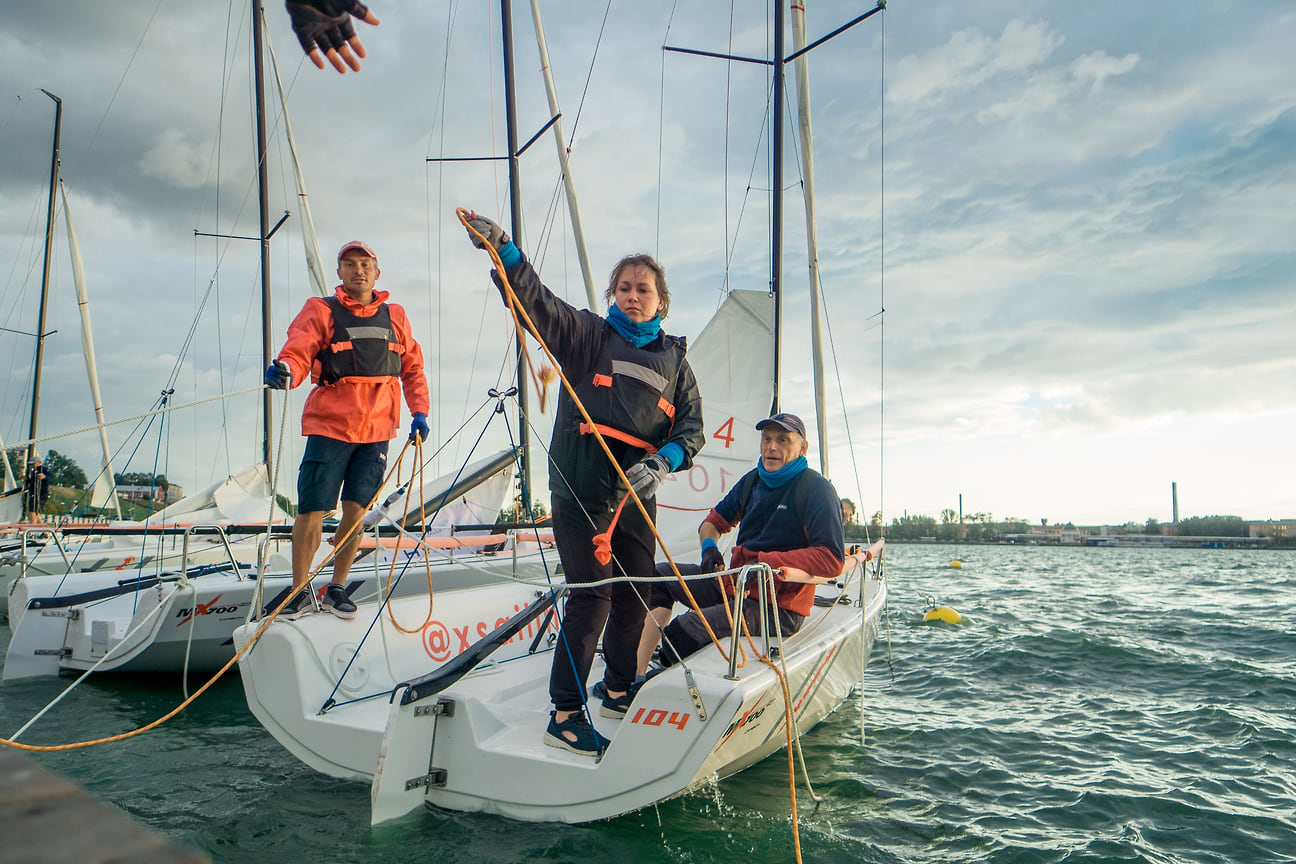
788	517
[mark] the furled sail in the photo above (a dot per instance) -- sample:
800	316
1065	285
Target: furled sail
314	262
103	497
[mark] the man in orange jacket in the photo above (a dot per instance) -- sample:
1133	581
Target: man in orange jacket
355	346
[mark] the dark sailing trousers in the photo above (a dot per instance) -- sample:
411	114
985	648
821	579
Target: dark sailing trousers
620	606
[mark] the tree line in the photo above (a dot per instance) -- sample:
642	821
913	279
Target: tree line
64	471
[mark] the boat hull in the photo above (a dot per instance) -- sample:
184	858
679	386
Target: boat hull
485	742
167	623
296	668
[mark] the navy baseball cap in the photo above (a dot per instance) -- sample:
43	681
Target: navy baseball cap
790	422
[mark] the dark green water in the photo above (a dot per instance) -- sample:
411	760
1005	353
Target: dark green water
1130	705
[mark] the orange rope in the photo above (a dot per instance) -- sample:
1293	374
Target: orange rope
515	306
427	555
78	745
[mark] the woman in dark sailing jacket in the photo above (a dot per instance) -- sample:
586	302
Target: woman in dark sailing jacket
636	384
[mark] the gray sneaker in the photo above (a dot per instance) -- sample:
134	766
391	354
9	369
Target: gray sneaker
297	606
337	601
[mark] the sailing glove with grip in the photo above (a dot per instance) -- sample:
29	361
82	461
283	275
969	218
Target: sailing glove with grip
324	23
277	376
646	475
419	427
712	557
488	229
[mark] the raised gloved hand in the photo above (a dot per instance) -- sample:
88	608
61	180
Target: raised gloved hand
493	233
277	376
324	29
712	557
647	474
419	427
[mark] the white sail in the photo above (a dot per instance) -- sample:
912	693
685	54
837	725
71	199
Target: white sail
733	360
314	261
103	496
10	482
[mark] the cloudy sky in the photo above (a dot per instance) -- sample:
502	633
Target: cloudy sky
1077	217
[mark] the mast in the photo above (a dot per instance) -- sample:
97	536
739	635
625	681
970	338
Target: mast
559	139
776	205
812	231
263	191
515	206
44	300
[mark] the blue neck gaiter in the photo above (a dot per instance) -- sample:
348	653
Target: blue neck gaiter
637	335
775	479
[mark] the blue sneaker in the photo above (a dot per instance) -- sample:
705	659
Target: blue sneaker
588	741
616	708
599	690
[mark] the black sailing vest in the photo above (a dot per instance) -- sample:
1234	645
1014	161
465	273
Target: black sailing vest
360	347
629	394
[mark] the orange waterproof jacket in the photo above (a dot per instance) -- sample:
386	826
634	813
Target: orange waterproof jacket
359	410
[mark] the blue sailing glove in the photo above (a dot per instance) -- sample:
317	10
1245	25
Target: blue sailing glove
419	427
646	475
277	376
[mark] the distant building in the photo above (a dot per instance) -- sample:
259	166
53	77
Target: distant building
1272	528
162	495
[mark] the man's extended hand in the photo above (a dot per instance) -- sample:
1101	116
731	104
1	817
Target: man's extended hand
646	475
324	29
419	427
493	233
277	376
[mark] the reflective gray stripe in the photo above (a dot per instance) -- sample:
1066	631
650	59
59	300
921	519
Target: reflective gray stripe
370	333
642	373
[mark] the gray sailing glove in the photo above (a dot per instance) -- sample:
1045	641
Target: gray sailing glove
488	229
647	474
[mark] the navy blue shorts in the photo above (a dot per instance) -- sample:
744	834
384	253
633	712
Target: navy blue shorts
330	466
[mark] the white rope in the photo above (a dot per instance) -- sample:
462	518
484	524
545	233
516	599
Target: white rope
41	440
125	640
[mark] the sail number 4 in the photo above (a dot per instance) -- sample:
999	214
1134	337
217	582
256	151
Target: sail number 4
657	717
725	433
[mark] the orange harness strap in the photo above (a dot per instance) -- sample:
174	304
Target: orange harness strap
609	432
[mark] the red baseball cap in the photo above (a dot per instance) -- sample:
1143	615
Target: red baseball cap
360	245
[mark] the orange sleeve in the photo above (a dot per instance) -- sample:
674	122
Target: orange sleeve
413	378
309	332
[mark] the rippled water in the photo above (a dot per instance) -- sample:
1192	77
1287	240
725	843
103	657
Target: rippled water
1094	705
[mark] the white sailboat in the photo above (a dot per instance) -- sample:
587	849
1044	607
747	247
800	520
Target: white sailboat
183	619
465	734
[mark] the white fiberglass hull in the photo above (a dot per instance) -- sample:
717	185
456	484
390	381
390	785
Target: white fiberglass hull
154	624
296	667
478	745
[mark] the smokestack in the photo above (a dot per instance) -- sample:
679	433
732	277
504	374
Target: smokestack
1174	502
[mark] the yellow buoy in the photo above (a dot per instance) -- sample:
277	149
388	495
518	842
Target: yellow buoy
956	563
943	613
